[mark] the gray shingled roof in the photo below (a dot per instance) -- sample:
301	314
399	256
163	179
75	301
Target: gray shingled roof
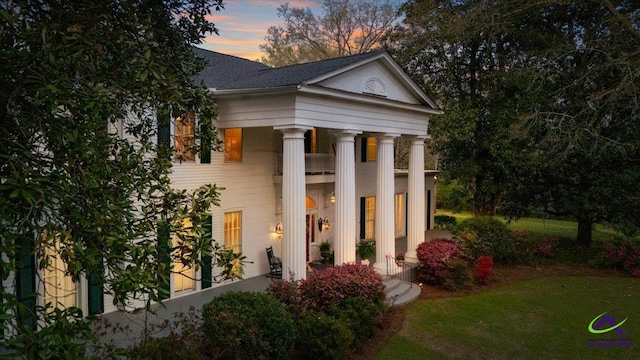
225	72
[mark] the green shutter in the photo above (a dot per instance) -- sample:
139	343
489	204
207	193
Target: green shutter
95	280
363	149
164	128
26	284
164	257
205	145
363	205
206	259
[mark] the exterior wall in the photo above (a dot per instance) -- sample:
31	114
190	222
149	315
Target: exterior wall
249	188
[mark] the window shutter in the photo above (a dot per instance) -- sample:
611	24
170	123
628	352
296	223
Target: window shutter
164	257
363	205
206	259
205	145
428	209
95	281
363	149
26	284
164	128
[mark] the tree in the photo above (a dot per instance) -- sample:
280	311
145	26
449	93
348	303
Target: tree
347	27
473	66
540	100
72	73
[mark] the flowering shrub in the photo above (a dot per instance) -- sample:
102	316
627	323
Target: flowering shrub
483	269
618	255
288	294
486	236
532	248
434	258
330	287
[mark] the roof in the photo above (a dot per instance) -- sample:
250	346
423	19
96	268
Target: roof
225	72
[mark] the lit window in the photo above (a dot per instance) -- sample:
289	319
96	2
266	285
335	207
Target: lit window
184	276
233	231
400	215
370	217
184	137
371	148
59	288
233	144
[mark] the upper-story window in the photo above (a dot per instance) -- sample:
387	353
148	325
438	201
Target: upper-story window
369	148
184	137
233	144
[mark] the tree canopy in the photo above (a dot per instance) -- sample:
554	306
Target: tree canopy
345	27
540	102
82	175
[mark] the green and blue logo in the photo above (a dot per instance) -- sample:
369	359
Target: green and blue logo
609	331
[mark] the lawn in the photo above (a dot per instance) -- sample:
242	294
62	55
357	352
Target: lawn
543	318
558	228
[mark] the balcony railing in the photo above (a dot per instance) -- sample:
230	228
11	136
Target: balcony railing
314	164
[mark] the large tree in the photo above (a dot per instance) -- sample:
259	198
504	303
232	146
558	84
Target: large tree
541	102
82	177
345	27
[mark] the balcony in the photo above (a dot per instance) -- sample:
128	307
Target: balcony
315	164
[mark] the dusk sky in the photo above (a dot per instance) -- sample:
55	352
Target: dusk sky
243	24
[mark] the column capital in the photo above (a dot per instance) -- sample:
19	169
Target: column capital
386	137
293	131
416	139
345	135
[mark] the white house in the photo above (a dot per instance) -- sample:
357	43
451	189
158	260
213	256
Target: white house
308	157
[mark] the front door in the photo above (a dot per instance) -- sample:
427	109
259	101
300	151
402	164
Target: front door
312	219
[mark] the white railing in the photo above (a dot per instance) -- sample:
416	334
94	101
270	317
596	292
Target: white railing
314	164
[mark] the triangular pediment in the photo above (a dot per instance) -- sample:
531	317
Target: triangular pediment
378	77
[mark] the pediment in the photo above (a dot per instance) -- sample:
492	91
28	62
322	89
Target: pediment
374	79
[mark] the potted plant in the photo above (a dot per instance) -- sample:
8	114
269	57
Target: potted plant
365	249
325	250
400	259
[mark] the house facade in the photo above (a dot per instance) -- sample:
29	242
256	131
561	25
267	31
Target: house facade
308	157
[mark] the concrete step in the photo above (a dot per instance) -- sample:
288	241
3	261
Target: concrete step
400	293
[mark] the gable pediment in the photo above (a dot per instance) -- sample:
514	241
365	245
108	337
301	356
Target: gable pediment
373	79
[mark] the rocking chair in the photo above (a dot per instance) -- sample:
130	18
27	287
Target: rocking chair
275	265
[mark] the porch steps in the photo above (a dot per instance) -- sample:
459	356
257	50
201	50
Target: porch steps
398	292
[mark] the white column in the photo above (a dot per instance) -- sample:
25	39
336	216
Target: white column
415	198
385	219
293	204
344	225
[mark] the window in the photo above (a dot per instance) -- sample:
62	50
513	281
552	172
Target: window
184	137
370	217
371	149
184	276
368	149
400	215
59	289
233	144
233	231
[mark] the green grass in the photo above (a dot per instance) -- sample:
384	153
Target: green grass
558	228
537	319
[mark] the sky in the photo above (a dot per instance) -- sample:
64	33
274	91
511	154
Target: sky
243	24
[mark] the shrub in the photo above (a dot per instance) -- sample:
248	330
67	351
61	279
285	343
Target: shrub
486	236
288	294
632	261
326	289
483	269
621	254
249	325
456	275
445	222
322	337
532	248
434	258
171	347
361	317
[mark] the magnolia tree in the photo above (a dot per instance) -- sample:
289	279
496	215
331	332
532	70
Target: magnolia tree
84	185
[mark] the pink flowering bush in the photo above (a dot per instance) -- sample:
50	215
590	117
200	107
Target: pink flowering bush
532	248
330	287
434	259
618	255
